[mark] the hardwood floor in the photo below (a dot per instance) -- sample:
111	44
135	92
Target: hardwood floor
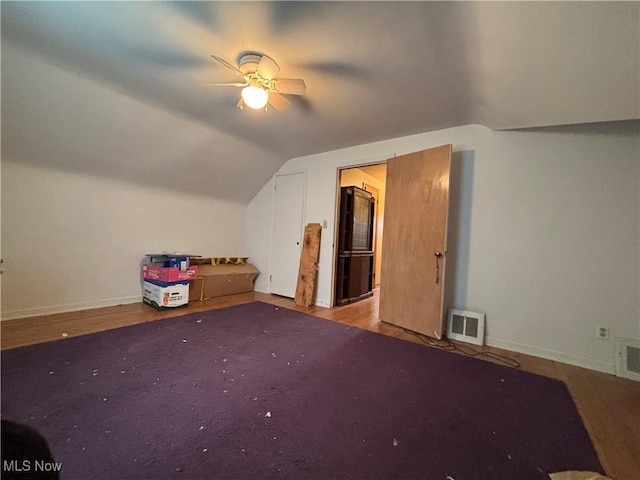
609	406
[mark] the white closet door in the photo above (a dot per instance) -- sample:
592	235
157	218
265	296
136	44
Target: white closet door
286	242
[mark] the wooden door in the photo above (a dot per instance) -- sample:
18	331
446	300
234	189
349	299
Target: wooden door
287	234
414	243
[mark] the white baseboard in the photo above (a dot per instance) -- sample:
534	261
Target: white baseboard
322	303
70	307
575	360
317	303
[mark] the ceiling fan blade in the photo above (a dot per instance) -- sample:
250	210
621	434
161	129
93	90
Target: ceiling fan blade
291	86
222	61
277	101
232	84
267	68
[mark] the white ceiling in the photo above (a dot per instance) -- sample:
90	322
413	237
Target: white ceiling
118	89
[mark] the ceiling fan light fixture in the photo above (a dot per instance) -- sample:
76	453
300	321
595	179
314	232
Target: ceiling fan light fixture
255	97
260	85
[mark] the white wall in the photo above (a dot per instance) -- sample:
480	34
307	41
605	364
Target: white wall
259	225
544	232
72	241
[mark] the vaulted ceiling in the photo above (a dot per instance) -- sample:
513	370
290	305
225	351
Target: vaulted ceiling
119	89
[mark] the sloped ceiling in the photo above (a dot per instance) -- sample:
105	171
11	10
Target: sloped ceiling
118	89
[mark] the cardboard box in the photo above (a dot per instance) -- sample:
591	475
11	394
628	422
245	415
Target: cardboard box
196	289
220	280
168	274
163	295
179	262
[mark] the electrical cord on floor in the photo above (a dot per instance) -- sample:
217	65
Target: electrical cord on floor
464	350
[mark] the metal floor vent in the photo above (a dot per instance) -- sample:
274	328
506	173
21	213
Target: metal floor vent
628	358
465	326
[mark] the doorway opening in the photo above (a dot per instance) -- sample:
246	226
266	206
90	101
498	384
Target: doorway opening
371	179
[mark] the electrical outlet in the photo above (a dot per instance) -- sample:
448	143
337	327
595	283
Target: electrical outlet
325	224
603	333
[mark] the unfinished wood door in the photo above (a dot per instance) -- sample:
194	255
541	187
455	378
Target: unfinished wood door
415	238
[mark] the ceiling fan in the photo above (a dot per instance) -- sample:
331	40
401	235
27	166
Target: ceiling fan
259	86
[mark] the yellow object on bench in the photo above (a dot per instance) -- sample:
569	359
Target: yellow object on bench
229	260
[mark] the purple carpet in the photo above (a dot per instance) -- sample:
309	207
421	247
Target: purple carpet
260	392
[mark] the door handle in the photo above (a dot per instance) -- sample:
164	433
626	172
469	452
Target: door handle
438	256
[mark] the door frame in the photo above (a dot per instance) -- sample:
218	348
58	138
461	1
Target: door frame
336	217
